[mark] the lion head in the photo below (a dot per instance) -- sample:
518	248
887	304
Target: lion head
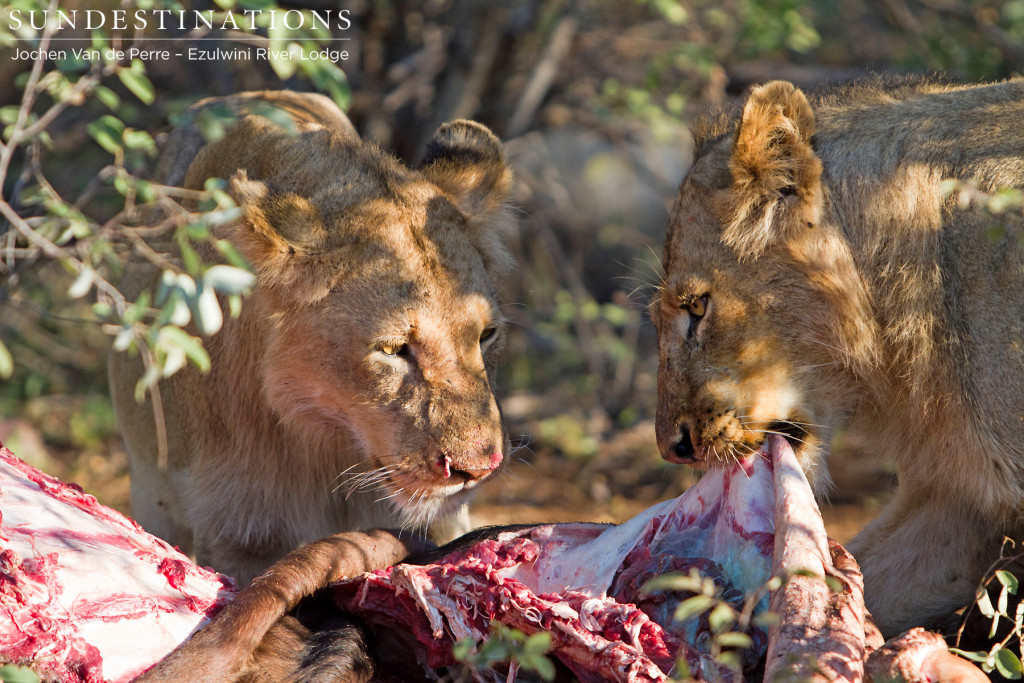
375	325
761	313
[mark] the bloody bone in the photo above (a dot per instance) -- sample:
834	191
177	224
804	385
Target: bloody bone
87	596
920	656
746	522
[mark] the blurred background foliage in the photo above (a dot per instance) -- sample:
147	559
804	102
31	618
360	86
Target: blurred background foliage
593	97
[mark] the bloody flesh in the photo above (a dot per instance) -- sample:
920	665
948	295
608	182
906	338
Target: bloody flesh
87	596
581	582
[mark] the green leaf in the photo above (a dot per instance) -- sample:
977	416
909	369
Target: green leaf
140	140
694	606
17	674
229	280
189	257
99	40
673	582
197	231
208	315
177	311
834	584
767	620
82	284
9	114
329	78
284	56
722	617
123	183
213	122
463	649
276	115
985	604
1008	580
731	660
144	191
6	361
108	97
805	572
542	665
171	358
734	639
124	338
538	644
224	215
1008	665
134	78
973	656
949	186
671	11
192	347
107	131
232	254
148	380
137	310
1005	199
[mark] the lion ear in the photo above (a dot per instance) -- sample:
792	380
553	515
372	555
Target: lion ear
277	230
466	160
776	176
284	220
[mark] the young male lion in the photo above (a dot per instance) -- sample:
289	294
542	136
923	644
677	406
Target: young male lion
367	346
817	275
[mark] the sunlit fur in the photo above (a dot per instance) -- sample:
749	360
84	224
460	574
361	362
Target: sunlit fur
847	290
354	390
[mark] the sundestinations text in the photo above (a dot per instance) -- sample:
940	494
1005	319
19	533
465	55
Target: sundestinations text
120	19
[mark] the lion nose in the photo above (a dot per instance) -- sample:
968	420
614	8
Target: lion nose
477	473
683	451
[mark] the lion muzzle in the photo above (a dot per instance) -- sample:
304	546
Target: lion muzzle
469	469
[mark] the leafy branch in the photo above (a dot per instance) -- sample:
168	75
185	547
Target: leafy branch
999	657
120	217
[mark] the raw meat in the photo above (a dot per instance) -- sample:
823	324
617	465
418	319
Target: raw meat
87	596
920	656
742	524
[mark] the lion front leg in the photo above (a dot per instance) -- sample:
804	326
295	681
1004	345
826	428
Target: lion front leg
923	559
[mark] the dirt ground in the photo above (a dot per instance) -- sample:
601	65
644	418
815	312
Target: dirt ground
625	476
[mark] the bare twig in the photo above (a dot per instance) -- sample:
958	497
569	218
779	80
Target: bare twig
148	361
476	81
28	98
56	253
543	76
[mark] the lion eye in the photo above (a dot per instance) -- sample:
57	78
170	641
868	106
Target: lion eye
394	349
697	307
488	334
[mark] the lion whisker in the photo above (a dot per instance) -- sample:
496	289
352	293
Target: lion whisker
782	434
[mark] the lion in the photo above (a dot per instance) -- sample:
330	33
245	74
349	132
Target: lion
368	344
819	274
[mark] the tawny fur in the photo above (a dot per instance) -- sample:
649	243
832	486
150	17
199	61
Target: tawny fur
355	256
846	290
